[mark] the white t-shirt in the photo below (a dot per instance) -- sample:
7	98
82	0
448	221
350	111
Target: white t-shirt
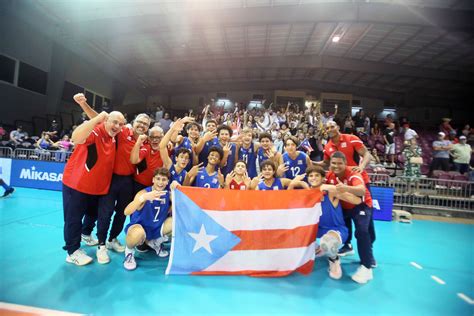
409	134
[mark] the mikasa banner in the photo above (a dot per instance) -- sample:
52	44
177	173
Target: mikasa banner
37	174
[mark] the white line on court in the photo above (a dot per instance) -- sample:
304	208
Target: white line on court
434	277
416	265
32	310
466	298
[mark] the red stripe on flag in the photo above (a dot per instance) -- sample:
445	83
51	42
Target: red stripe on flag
234	200
306	268
276	238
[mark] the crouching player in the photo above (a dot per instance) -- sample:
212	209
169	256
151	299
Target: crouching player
149	222
332	230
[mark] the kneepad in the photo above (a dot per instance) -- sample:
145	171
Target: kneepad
330	244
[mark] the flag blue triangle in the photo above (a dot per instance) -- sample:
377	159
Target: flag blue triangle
189	219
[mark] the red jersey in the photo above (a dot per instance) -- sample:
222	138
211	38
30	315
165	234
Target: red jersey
348	145
234	185
125	143
89	170
350	178
150	161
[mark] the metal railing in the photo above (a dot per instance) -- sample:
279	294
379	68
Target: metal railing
427	193
6	152
41	154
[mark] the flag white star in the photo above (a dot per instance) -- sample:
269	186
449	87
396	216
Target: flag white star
203	240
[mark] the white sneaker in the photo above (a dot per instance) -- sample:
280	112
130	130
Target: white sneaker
79	258
362	275
335	270
89	240
115	245
129	263
102	255
156	244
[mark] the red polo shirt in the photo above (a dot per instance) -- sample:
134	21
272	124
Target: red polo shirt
150	161
125	143
348	145
89	170
350	178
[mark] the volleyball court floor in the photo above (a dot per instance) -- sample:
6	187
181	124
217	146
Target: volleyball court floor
424	268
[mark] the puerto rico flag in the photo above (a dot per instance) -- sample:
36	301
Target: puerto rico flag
257	233
306	146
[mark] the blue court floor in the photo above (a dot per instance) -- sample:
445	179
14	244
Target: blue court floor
33	272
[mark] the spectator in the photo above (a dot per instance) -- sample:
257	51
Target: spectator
165	122
53	131
348	125
359	122
389	144
82	119
461	154
43	145
413	160
159	113
375	130
441	148
326	116
409	134
445	127
18	136
3	132
64	145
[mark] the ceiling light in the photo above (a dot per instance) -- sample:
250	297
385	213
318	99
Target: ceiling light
336	39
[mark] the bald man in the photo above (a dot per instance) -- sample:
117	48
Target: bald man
121	189
87	176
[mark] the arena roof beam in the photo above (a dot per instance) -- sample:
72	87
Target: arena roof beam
396	14
305	61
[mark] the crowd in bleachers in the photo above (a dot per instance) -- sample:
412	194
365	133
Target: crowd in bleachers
396	148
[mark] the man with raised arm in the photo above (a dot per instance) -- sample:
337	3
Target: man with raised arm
87	176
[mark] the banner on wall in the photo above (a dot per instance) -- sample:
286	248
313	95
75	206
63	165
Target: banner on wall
37	174
383	202
5	169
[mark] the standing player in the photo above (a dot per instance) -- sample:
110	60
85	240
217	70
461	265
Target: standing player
247	152
183	155
224	134
348	180
193	130
295	161
266	150
208	139
210	176
148	216
353	148
87	175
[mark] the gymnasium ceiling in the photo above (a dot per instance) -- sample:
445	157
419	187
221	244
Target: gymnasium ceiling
387	48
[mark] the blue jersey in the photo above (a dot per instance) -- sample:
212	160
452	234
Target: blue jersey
205	150
331	219
276	185
178	177
261	155
250	158
186	143
151	216
204	180
296	166
230	159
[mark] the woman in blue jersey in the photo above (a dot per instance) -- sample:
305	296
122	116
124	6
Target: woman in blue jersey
210	176
295	161
149	222
332	230
267	180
